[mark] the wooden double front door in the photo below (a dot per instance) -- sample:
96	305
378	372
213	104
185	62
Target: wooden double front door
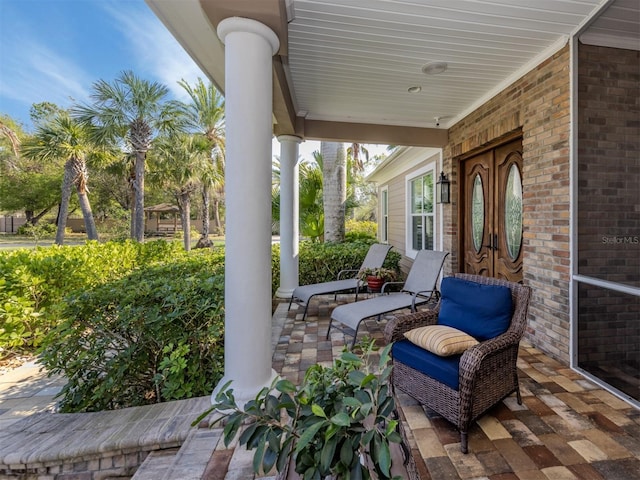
492	212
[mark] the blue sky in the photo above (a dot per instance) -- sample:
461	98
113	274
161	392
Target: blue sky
54	50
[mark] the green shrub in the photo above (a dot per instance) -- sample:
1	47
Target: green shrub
154	335
40	230
360	230
275	268
34	283
115	228
20	323
321	262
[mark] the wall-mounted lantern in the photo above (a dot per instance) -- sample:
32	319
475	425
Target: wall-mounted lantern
443	191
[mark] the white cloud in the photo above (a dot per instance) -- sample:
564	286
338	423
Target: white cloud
39	74
154	47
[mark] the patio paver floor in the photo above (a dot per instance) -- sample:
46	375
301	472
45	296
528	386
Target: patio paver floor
567	427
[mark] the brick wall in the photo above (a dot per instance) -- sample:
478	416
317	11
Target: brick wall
538	104
103	466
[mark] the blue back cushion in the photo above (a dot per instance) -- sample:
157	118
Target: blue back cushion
443	369
482	311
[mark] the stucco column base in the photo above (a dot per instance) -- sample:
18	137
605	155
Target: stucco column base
284	292
240	393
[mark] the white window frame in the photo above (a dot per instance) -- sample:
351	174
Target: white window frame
428	168
384	214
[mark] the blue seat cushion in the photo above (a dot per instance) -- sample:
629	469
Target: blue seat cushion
482	311
443	369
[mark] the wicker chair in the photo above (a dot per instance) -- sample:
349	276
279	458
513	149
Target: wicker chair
487	372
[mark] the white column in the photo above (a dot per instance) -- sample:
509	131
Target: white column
249	47
288	215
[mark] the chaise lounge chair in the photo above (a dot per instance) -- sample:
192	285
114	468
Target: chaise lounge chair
419	288
374	259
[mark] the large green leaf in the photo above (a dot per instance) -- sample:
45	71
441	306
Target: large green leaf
231	429
356	472
384	455
285	386
351	402
318	411
342	419
367	380
309	434
283	456
259	454
269	459
327	454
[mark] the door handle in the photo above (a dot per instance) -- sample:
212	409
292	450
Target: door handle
493	242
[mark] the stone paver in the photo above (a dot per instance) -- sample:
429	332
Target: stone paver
26	390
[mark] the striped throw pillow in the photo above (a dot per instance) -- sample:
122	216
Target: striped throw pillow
440	339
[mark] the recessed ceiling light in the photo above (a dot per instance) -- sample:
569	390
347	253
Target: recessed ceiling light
414	89
434	68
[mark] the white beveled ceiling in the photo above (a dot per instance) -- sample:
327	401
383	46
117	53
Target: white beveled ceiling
353	61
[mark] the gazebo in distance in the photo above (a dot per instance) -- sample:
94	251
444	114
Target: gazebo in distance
162	219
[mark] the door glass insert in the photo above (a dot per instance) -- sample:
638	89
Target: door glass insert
477	213
513	212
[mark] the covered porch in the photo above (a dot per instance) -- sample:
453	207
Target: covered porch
460	77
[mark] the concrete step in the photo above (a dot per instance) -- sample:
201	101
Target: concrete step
194	455
156	464
187	463
114	443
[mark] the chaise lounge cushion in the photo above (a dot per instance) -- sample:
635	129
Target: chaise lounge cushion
440	339
482	311
443	369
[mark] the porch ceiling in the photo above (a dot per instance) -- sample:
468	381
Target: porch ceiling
344	67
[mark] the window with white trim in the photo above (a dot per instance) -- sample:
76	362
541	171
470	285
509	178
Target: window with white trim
384	215
421	221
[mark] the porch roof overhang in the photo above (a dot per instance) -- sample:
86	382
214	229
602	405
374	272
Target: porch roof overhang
401	160
344	69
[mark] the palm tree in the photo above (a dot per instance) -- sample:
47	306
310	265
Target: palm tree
275	193
353	152
311	216
334	172
310	199
63	137
180	162
205	114
130	110
13	138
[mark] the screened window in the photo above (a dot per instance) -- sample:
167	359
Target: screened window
384	220
421	221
